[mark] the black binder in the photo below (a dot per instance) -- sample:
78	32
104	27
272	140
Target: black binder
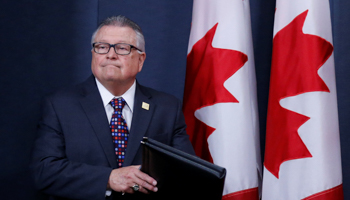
181	175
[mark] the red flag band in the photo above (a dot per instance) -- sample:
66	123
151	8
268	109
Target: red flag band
220	103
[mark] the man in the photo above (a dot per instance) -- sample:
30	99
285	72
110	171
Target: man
74	156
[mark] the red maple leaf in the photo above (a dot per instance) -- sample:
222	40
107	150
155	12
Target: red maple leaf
295	61
207	70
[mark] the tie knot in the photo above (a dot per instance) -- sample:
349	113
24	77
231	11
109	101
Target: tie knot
118	103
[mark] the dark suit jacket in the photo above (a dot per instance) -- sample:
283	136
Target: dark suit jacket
73	154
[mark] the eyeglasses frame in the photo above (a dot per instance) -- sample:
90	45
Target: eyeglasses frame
115	50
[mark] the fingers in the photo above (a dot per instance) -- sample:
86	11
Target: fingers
145	185
123	180
145	181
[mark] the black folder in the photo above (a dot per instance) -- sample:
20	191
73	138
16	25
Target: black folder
181	175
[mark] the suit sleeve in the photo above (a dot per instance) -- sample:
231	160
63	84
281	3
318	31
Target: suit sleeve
180	138
54	173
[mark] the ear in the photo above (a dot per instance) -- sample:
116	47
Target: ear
142	58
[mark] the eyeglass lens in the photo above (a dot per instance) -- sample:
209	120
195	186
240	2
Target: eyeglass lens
120	48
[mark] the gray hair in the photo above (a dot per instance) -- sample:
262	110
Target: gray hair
122	21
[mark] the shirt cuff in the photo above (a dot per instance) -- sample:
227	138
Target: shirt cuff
108	193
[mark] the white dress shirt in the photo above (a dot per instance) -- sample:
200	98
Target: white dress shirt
128	96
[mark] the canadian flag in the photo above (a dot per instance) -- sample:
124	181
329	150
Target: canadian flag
302	155
220	104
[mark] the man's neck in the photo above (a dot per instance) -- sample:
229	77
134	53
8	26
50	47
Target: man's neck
117	88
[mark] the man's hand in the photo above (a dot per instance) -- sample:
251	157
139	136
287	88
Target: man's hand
123	179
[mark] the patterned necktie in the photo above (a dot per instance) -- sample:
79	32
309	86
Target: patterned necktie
119	129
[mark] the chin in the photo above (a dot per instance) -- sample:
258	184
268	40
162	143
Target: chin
111	78
111	73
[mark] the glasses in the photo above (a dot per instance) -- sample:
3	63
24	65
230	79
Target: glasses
120	48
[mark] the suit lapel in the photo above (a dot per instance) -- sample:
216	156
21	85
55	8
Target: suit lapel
142	114
93	106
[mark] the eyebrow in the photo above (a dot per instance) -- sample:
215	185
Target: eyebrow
122	41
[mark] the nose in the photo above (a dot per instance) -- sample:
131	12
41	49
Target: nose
111	54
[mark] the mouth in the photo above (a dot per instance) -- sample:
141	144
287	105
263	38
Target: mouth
110	64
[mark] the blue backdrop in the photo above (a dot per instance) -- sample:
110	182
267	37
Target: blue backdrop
45	45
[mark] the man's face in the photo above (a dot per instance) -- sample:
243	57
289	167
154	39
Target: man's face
111	67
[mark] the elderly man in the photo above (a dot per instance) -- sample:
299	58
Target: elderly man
88	144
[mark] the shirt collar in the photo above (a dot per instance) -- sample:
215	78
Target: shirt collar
107	96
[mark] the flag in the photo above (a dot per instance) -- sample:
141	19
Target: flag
302	151
220	103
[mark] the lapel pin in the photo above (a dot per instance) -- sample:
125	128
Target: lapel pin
145	105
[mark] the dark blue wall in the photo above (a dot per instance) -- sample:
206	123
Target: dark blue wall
341	42
45	45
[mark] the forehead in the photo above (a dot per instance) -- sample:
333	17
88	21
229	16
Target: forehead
116	34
